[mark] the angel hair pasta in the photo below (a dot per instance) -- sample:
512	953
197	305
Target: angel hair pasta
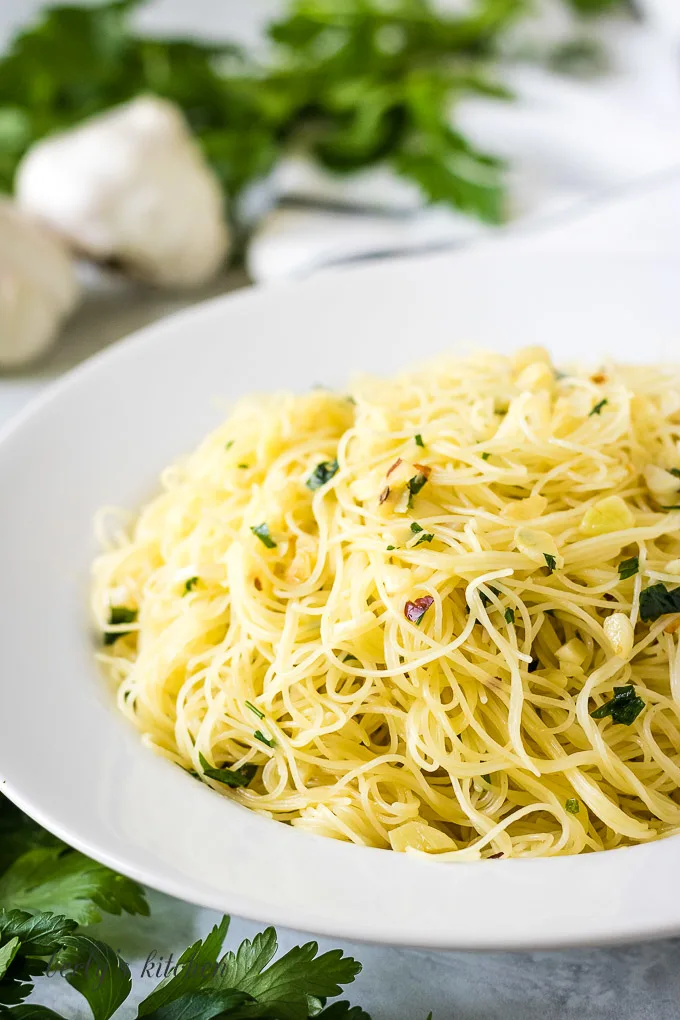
437	615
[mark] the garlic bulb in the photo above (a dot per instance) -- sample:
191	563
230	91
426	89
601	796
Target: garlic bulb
131	187
38	287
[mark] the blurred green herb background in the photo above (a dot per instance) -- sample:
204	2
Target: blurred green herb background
351	82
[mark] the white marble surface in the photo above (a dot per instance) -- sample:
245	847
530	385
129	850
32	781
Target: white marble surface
639	982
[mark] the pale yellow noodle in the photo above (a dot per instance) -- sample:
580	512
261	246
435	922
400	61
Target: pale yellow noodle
466	735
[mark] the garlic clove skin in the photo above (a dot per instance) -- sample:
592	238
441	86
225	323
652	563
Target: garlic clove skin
131	186
38	287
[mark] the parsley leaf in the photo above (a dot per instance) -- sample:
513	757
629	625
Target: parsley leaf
207	1004
259	735
97	972
322	474
485	456
417	529
262	532
7	954
345	1011
290	982
68	883
230	777
509	615
597	409
416	483
19	833
255	709
40	934
627	568
551	562
419	439
572	806
23	939
624	707
675	471
190	585
657	600
194	964
425	537
119	615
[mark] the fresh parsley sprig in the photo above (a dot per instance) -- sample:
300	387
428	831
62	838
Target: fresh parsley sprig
208	982
352	85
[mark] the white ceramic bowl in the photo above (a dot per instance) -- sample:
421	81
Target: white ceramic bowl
103	434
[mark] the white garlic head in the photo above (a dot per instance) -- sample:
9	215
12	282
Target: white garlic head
131	187
38	287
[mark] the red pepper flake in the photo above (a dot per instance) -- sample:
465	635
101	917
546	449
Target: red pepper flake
424	469
258	583
384	495
415	611
394	467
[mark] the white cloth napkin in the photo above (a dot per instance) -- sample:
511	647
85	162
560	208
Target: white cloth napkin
567	142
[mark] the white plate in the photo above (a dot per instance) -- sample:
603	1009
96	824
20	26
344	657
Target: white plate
102	436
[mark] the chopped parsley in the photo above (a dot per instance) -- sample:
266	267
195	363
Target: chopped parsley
509	615
675	471
228	445
572	806
190	585
322	474
244	467
262	532
230	777
255	709
416	483
598	407
259	735
425	537
551	562
417	529
624	707
391	547
485	456
627	568
485	598
415	611
657	600
117	616
419	440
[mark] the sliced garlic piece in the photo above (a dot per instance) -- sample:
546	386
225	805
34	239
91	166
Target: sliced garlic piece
525	509
609	514
417	835
619	632
573	652
537	545
659	481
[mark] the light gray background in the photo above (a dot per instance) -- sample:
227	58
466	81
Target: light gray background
630	983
